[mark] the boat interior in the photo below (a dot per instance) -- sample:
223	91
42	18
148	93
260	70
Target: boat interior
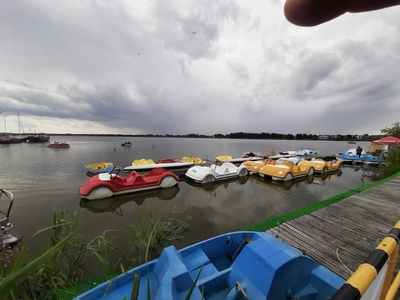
241	265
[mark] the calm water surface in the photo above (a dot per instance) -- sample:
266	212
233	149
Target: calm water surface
44	180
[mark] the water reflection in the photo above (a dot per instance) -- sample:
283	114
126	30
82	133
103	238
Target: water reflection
281	186
367	173
211	187
321	178
353	167
113	204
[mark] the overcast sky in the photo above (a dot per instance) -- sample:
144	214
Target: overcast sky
180	67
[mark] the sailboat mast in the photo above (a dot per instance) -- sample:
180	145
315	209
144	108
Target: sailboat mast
9	128
20	126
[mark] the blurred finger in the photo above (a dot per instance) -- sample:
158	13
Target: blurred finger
314	12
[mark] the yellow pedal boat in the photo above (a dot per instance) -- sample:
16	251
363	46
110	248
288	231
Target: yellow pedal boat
223	157
254	166
191	159
102	167
140	162
285	170
322	166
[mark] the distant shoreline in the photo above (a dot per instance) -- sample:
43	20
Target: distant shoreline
239	135
250	136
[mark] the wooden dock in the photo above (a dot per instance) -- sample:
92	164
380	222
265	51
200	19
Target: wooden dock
342	235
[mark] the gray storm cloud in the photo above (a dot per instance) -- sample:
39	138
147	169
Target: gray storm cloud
204	67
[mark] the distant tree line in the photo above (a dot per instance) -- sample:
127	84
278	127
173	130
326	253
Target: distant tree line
251	135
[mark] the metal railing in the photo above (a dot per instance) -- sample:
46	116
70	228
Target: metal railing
373	278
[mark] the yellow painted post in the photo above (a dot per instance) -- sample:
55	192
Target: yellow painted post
362	277
393	288
389	271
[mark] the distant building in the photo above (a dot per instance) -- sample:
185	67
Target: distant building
323	136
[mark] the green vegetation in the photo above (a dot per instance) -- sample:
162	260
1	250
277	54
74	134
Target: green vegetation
62	262
393	156
393	163
149	238
393	130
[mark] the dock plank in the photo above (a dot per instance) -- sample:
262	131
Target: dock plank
342	235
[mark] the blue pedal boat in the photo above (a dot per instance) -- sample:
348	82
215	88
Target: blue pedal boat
370	159
238	265
349	158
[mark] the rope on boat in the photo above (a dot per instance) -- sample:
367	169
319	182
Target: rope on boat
231	257
241	289
248	240
228	256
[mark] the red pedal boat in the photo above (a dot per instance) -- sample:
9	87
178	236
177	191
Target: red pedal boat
58	145
167	161
105	185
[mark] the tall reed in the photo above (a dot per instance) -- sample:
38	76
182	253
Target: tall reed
62	263
151	236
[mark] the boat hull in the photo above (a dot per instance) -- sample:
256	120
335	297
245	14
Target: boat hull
349	158
373	160
240	160
254	166
226	267
319	166
285	170
247	156
365	159
102	167
205	174
191	159
58	145
105	185
223	158
9	140
37	138
167	161
167	166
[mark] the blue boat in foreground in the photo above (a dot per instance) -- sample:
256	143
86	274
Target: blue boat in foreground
238	265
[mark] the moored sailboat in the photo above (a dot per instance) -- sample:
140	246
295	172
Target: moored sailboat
37	138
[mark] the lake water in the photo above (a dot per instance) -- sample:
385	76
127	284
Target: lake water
44	180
